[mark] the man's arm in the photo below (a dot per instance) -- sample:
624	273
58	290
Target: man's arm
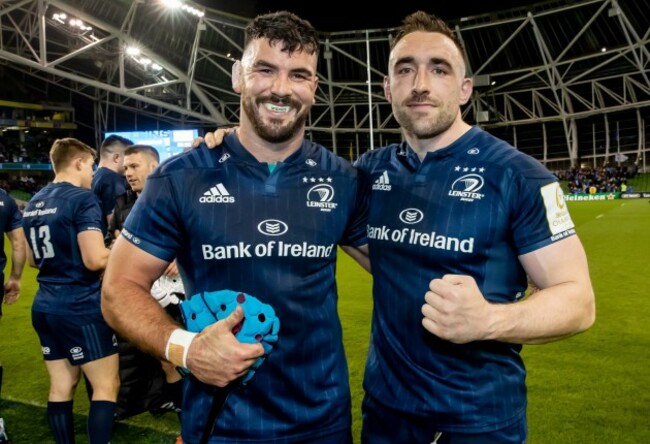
93	252
214	356
456	310
18	256
30	256
359	254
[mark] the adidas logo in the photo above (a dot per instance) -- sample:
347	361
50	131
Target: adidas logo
217	194
382	183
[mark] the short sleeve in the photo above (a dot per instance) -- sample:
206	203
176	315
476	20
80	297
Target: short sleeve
153	223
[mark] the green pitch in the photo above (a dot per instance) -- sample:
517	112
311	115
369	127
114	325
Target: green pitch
588	389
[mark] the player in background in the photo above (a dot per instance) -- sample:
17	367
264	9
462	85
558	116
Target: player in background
144	385
108	183
63	224
11	224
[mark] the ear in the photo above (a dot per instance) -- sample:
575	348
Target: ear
116	157
387	89
314	87
77	162
236	76
466	89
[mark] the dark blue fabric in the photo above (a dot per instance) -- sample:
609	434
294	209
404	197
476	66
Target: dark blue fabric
232	224
52	220
471	208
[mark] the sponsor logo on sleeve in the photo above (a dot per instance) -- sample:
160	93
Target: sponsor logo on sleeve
557	214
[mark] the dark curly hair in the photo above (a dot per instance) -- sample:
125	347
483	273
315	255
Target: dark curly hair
294	33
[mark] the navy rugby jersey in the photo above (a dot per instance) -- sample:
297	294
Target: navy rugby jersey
10	219
52	220
107	186
232	224
471	208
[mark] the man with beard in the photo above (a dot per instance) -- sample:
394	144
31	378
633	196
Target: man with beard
262	214
475	216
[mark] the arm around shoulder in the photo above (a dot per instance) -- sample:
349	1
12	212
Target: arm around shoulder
359	254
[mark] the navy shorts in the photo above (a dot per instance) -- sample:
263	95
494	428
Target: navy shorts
77	338
384	426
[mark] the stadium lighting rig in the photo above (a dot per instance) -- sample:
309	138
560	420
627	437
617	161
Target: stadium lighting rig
72	23
178	4
145	62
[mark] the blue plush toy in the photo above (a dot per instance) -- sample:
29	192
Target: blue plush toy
260	323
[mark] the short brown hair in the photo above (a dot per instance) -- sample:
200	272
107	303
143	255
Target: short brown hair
64	150
143	149
422	21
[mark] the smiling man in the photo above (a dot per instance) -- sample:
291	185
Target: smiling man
262	214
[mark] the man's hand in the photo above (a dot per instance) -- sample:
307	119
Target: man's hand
12	291
171	270
215	139
216	357
455	309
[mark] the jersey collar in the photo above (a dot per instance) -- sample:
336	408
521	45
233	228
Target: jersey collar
236	149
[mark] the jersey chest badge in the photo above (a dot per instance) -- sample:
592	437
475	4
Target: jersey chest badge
320	194
467	187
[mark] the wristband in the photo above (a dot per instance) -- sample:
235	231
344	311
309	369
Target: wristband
178	346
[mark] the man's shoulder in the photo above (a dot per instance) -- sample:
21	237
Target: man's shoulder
5	198
105	175
376	156
60	198
317	156
196	158
505	157
74	194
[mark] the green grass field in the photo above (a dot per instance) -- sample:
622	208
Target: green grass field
588	389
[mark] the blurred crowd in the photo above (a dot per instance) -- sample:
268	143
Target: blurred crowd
607	179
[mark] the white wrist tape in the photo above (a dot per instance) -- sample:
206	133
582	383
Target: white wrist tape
178	346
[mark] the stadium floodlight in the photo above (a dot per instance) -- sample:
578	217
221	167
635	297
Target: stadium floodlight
74	23
59	17
132	51
172	4
178	4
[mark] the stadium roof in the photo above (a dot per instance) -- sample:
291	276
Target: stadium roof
555	61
